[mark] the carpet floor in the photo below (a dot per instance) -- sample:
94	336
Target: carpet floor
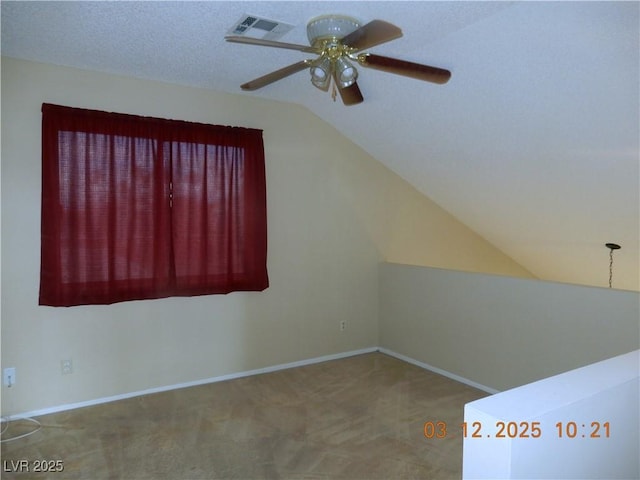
361	417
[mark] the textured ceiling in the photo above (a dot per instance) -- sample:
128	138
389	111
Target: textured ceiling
533	143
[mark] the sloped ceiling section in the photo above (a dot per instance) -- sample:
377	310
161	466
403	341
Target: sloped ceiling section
533	143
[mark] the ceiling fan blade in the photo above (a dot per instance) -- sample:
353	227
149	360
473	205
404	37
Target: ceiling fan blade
275	76
402	67
271	43
371	34
351	95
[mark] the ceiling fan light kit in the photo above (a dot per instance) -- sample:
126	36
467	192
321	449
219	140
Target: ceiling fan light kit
337	39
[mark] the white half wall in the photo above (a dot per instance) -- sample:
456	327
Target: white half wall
502	332
581	425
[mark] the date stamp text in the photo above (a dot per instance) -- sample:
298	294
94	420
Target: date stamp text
529	429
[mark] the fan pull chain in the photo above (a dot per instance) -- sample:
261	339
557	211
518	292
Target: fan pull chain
334	92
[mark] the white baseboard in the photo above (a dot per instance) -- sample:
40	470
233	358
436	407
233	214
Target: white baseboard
274	368
439	371
221	378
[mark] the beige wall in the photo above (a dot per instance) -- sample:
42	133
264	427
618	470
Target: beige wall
502	332
333	214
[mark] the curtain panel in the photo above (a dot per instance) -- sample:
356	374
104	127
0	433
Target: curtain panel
140	208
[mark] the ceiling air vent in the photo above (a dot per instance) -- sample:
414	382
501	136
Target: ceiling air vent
257	27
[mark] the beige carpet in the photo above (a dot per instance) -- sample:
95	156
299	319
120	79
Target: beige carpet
357	418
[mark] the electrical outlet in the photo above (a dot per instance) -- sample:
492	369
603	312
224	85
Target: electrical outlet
343	325
66	366
9	377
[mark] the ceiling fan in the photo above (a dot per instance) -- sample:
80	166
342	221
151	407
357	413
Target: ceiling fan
337	40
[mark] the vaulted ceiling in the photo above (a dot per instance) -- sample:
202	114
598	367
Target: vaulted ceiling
533	143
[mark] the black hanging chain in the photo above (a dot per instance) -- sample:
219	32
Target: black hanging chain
611	247
610	267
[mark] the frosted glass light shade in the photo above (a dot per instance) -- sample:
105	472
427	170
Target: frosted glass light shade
346	72
321	73
328	26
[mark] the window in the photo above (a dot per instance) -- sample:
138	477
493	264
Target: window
139	208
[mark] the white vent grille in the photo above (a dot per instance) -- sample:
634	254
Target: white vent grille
258	27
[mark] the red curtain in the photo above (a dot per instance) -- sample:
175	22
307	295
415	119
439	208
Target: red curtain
139	208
